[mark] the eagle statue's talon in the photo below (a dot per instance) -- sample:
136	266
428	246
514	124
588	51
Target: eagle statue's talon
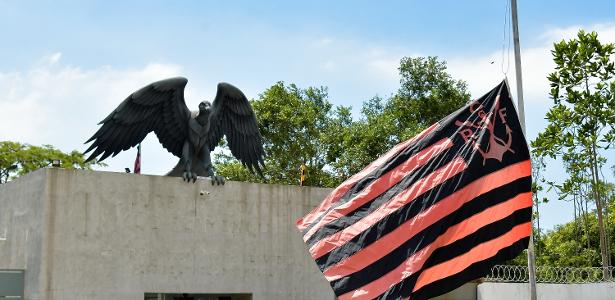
160	107
217	180
188	176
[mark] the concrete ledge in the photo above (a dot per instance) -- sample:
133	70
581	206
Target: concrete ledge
101	235
546	291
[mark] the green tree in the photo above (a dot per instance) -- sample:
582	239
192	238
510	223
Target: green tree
355	146
566	247
17	159
301	126
582	120
293	123
566	244
427	94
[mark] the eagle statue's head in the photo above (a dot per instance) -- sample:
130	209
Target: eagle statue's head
204	106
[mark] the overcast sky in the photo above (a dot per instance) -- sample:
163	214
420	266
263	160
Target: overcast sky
64	65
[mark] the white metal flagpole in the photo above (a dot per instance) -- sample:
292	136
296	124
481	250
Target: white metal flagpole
531	259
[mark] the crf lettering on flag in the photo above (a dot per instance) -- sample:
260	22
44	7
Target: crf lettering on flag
433	213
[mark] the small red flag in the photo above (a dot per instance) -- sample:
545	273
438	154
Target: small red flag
137	168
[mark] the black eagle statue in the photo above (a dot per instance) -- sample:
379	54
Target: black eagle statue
160	107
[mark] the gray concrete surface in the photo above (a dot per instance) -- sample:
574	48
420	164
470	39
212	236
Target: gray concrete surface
550	291
101	235
464	292
22	224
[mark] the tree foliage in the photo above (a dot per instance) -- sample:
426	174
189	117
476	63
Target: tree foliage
293	123
573	244
568	245
17	159
427	94
301	126
582	120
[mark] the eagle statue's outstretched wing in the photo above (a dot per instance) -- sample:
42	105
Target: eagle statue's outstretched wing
232	115
159	107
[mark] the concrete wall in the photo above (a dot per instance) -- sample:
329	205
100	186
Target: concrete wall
464	292
100	235
513	291
22	225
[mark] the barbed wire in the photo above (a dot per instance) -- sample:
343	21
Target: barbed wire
545	274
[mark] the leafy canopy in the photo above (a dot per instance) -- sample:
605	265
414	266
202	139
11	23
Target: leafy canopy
293	123
301	126
17	159
581	123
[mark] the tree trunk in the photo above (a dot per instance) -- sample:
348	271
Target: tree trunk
574	210
586	221
599	210
607	237
538	227
605	199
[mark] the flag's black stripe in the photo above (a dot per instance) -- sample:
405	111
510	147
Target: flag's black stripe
386	225
390	164
474	271
447	129
465	244
339	224
413	208
486	233
430	234
475	170
445	285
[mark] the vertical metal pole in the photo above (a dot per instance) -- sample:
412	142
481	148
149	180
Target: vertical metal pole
531	259
515	26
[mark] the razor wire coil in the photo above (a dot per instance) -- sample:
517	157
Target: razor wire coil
547	274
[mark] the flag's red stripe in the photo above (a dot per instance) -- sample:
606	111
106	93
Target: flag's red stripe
408	229
478	253
308	219
137	168
421	186
382	184
415	263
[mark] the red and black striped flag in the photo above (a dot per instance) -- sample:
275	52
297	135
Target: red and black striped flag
433	213
137	168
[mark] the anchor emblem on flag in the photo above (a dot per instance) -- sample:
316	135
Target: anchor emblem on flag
474	131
